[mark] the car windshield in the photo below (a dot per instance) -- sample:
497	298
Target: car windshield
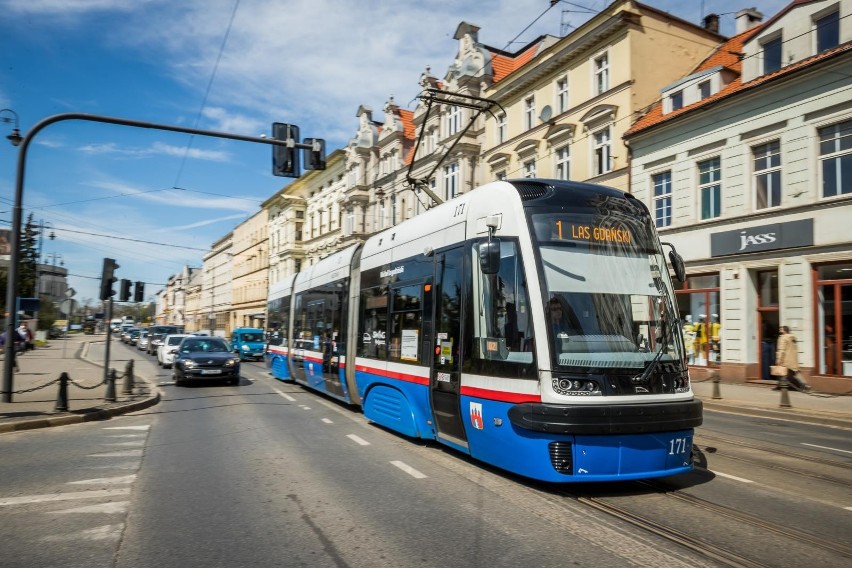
203	346
251	337
175	340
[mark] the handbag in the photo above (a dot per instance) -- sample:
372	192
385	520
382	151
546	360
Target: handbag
778	370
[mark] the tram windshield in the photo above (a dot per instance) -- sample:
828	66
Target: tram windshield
609	296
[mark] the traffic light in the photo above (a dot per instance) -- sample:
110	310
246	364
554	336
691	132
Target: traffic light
285	159
124	295
107	278
315	157
139	292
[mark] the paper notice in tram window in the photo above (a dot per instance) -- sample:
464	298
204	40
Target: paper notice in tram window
408	348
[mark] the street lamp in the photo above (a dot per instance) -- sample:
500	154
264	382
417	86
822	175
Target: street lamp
15	137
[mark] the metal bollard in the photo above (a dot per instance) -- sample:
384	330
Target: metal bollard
128	378
62	397
785	393
717	393
110	391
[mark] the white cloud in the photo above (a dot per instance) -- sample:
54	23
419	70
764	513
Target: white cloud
156	149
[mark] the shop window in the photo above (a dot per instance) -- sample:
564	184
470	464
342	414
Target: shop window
834	325
701	321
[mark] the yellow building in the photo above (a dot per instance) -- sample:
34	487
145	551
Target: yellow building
566	104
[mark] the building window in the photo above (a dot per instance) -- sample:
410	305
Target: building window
772	56
454	120
834	325
563	162
350	221
501	127
562	94
602	149
298	232
677	100
662	199
529	169
393	211
529	112
828	32
703	90
835	155
451	180
710	187
698	304
601	65
767	174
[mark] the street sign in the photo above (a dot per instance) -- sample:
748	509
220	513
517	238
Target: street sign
67	307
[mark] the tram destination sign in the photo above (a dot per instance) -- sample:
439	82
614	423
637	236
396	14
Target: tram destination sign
762	238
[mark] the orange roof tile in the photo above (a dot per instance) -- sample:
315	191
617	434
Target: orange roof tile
407	118
503	65
728	55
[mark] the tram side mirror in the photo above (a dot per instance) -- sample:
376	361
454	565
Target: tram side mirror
677	265
489	256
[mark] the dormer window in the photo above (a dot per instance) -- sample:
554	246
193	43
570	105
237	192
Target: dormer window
703	90
772	55
677	100
827	32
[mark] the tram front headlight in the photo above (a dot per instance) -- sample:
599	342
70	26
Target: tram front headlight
576	387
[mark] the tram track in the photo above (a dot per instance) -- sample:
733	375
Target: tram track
699	544
753	520
766	464
707	549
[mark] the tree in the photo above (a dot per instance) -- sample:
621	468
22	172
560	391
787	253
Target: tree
28	266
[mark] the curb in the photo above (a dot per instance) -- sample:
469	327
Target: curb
784	414
91	415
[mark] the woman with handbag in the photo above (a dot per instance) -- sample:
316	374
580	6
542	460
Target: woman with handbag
787	356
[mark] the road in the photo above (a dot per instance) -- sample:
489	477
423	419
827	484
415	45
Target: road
270	474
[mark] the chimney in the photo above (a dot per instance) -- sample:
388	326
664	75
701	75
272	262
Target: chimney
747	19
711	23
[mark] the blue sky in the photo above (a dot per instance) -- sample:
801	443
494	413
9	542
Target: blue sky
156	201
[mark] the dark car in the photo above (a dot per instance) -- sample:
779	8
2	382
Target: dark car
204	358
156	334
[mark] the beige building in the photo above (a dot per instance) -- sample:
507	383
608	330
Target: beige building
568	107
250	280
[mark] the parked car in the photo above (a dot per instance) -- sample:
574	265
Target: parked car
204	358
166	351
248	342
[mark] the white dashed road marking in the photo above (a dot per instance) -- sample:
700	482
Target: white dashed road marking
327	421
120	454
358	440
734	477
104	508
25	499
409	470
97	533
121	480
827	448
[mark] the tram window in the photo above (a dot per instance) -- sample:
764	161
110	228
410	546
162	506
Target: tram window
501	322
372	332
406	323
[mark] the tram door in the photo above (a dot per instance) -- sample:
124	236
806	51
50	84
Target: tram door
446	370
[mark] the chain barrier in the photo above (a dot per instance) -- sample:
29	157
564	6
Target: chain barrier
54	381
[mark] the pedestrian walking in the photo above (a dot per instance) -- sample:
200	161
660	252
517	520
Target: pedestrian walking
787	356
14	350
26	338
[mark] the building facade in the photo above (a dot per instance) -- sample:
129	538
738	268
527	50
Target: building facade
250	276
746	164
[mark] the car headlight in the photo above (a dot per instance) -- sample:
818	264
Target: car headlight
245	347
189	363
231	362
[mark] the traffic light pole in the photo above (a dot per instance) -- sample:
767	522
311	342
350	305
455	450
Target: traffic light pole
109	335
17	210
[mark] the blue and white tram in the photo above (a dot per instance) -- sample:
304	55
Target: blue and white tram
278	334
527	323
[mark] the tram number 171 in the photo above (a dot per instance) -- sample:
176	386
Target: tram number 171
679	446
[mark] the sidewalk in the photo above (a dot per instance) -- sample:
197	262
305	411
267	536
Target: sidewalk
36	407
35	388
